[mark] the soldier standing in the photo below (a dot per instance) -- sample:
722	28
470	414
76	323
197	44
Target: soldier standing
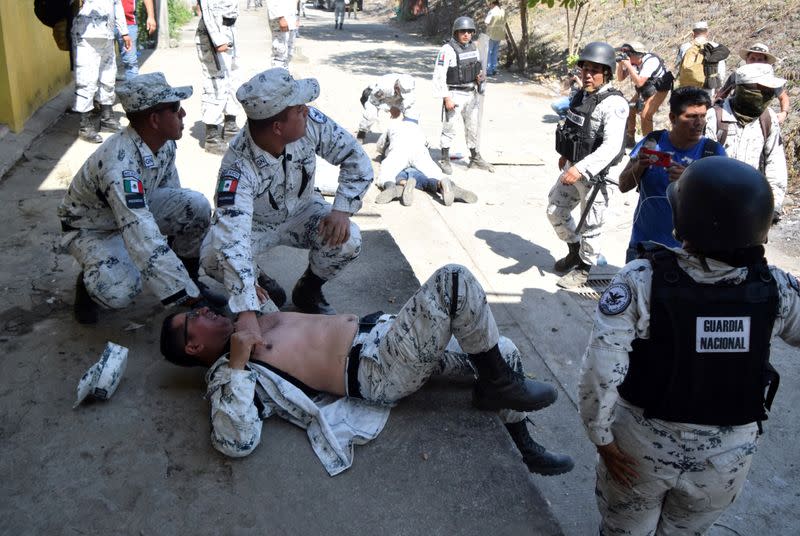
265	195
673	382
127	199
589	141
458	80
282	24
215	40
95	64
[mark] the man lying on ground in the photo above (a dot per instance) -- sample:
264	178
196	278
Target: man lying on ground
297	361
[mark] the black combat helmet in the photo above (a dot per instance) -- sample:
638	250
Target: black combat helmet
720	204
598	52
463	23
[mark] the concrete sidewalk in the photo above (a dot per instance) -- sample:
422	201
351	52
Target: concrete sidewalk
138	460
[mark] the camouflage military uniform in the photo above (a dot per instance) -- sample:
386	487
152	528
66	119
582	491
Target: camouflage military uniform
93	39
219	68
688	473
263	201
608	118
117	214
282	42
383	94
398	355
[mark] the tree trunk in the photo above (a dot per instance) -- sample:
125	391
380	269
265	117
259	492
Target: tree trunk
522	46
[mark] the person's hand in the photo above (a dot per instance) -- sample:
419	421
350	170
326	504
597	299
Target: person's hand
570	176
782	117
242	345
248	321
562	161
283	24
223	48
151	25
449	105
262	294
394	112
674	171
620	465
335	228
480	77
128	43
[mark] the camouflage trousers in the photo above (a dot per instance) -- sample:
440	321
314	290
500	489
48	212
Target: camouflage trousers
282	45
563	199
112	278
446	319
688	475
467	104
95	72
300	230
219	77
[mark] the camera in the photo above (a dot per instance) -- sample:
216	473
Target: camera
621	56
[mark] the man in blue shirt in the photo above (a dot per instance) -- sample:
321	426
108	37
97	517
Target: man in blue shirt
666	154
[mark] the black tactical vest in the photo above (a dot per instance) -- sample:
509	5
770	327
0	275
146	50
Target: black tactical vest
467	66
707	359
574	140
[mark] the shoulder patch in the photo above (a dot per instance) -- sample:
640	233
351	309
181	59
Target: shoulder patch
615	299
793	282
226	187
441	58
129	173
316	115
134	193
149	162
261	161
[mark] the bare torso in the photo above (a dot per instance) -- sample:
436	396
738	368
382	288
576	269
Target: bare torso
312	348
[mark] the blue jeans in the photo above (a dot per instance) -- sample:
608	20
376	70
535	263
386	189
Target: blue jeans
423	182
130	58
491	61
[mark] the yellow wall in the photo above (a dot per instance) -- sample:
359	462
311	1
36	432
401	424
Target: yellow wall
32	69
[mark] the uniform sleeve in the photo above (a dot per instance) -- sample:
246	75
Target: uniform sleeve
409	100
383	142
787	324
605	362
340	148
614	116
775	164
443	60
711	124
230	235
147	247
279	8
119	18
213	21
235	422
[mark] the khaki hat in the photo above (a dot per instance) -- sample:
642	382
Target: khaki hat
102	378
700	25
758	48
269	93
758	73
148	90
635	46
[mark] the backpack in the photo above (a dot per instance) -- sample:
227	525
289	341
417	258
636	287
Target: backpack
765	120
51	12
712	55
692	71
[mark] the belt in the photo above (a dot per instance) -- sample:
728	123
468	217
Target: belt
353	361
228	21
467	87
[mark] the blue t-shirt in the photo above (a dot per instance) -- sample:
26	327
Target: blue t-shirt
652	220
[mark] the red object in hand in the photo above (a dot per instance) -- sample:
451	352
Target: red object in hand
656	158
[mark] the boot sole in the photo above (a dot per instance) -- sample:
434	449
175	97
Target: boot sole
407	196
552	471
487	404
447	192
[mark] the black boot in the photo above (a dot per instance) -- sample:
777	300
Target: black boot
476	160
307	295
230	128
108	123
572	259
361	136
85	308
576	278
535	455
214	143
444	161
214	299
88	129
276	293
500	387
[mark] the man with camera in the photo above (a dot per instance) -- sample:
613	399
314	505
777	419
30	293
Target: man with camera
652	81
659	159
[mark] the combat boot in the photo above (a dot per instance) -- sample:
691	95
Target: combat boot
361	136
85	308
500	387
88	130
307	295
477	161
276	293
214	143
230	128
534	455
577	277
465	196
108	122
572	259
390	192
407	197
444	162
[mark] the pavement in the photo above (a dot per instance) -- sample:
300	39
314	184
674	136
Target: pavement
141	463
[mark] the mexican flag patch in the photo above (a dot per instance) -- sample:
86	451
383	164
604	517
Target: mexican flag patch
226	187
227	184
133	186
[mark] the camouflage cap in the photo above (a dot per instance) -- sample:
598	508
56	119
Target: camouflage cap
148	90
269	93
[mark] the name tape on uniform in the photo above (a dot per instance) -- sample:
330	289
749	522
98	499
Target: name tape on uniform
722	334
575	118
